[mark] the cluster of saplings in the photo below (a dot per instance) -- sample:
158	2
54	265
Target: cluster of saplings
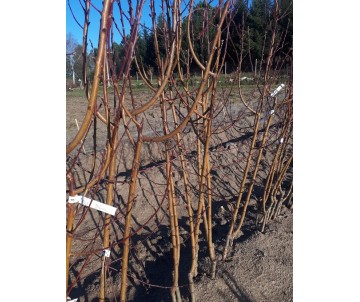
189	119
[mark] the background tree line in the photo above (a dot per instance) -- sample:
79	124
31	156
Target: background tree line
247	36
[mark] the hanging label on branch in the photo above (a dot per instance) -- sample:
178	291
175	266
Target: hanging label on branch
276	91
106	253
271	112
97	205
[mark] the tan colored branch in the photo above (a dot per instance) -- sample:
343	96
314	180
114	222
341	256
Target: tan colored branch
129	207
105	24
106	240
191	48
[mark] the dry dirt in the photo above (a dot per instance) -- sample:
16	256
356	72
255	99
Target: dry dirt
259	267
259	270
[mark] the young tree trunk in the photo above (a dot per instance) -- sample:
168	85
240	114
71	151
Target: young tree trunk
131	198
69	229
229	238
106	240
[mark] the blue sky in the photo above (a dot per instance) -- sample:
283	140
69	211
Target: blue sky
73	28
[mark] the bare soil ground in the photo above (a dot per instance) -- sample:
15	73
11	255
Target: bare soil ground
259	267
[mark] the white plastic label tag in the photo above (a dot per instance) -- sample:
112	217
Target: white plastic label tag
267	114
275	92
106	253
73	300
74	199
97	205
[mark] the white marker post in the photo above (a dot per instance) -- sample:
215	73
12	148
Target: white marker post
276	91
77	126
97	205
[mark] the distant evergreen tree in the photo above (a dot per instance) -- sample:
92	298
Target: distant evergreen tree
253	19
149	56
259	17
238	19
118	55
286	23
202	31
161	31
145	51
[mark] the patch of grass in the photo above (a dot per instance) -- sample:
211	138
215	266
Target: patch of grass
76	92
223	82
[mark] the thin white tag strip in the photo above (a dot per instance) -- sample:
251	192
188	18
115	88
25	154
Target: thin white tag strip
74	199
73	300
272	111
275	92
106	253
97	205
